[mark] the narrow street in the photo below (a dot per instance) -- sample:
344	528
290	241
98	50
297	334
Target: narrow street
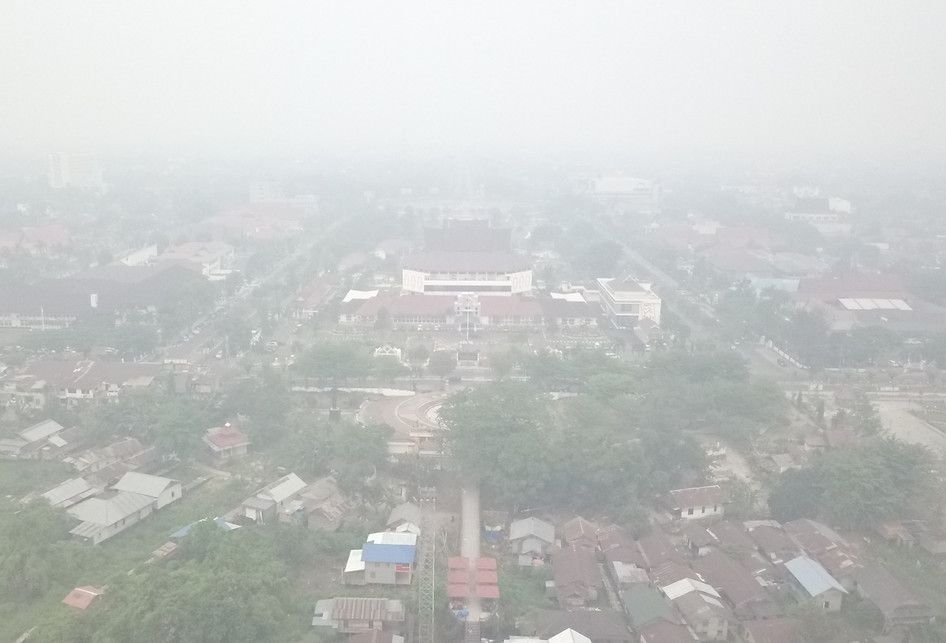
470	549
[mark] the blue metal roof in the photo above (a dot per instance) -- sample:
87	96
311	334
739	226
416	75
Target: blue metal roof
377	553
814	578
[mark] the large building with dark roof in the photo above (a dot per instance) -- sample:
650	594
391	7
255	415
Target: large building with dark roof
467	256
102	292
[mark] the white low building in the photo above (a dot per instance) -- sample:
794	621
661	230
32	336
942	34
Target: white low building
629	302
451	273
693	503
131	500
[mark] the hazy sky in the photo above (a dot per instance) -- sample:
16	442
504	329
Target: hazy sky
756	77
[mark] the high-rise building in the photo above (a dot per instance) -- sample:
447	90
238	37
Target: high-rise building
80	171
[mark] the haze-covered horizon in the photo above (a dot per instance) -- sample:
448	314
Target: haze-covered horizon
762	80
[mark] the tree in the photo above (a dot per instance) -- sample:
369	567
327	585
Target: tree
387	369
797	494
334	362
494	436
858	487
501	364
264	400
29	561
382	319
442	363
223	587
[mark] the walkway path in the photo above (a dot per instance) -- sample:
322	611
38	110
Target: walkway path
470	549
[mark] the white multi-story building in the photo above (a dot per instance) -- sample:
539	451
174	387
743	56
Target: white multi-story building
482	273
629	302
80	171
636	193
213	257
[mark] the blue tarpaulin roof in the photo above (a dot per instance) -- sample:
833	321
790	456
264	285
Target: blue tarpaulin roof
220	522
377	553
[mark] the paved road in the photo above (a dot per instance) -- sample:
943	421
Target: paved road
898	418
202	347
470	542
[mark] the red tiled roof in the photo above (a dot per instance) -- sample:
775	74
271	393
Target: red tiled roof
81	597
487	577
227	437
456	576
458	562
458	590
512	306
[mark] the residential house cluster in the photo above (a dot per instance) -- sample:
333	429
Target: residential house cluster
291	500
712	579
45	440
103	513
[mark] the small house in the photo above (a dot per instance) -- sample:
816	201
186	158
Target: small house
162	490
357	615
69	493
576	578
531	539
813	582
388	564
900	607
773	630
274	498
130	500
693	503
82	597
601	626
226	443
376	636
405	517
705	614
580	533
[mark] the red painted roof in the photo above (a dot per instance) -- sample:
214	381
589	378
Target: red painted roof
456	576
486	563
227	437
487	577
82	597
458	562
458	590
513	305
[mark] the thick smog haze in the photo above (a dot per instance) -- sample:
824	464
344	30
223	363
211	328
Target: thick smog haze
766	79
472	322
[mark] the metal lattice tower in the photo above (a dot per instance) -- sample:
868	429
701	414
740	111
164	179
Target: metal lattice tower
471	632
426	605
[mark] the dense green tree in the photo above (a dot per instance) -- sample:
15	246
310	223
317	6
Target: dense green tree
173	424
442	363
28	558
797	494
860	486
387	369
501	364
494	435
334	363
264	400
222	587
